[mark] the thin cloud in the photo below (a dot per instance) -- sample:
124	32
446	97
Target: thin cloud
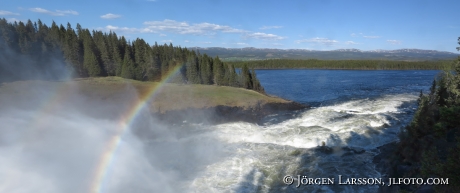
394	42
270	27
351	43
322	41
264	36
163	35
53	13
110	16
186	28
241	44
166	41
356	34
186	41
3	12
126	29
371	37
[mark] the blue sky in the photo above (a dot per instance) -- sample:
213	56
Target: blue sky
314	24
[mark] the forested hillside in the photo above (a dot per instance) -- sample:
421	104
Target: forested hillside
33	50
251	53
346	64
430	145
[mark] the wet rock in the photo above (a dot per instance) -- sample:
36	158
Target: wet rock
325	149
356	150
222	113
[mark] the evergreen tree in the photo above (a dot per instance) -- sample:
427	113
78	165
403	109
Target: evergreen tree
256	83
206	69
102	54
246	77
127	70
193	75
233	80
90	56
102	46
219	71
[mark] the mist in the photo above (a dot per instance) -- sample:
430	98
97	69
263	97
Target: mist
53	139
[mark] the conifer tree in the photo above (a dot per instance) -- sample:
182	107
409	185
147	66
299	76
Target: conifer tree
219	71
246	77
193	75
90	56
127	69
102	54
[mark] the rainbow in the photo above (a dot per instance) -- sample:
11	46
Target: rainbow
107	158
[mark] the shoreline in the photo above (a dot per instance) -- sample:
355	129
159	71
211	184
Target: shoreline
224	114
355	69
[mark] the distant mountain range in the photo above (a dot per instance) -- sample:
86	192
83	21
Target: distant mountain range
250	53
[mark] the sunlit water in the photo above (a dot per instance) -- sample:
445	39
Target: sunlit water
357	109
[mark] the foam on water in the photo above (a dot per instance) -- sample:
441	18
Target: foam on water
259	156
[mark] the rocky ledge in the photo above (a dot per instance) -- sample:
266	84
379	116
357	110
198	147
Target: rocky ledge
222	113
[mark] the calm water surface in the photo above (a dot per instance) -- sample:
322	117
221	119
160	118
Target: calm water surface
316	87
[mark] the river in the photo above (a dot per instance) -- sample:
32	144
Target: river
361	110
69	143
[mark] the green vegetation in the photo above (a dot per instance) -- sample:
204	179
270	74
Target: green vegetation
118	91
430	145
346	64
249	54
33	50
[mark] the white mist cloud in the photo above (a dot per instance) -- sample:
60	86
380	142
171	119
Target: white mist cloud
54	146
110	16
54	136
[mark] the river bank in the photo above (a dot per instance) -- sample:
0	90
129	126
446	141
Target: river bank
168	102
223	113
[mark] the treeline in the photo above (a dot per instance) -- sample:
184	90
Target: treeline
346	64
33	50
430	145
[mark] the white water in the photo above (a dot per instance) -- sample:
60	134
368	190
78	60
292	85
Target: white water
59	153
254	158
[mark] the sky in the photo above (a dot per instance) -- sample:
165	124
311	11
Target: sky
302	24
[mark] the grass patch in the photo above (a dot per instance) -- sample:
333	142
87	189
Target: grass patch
169	97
